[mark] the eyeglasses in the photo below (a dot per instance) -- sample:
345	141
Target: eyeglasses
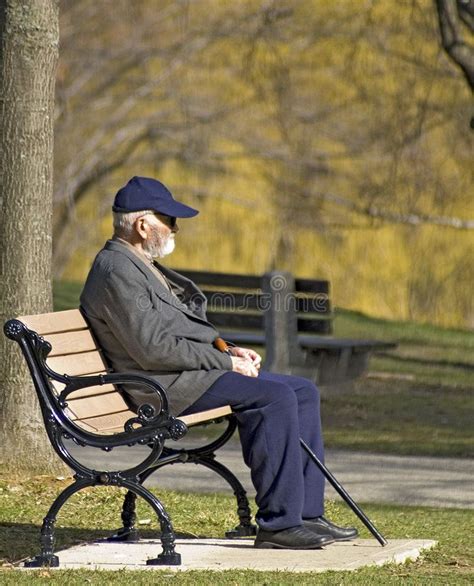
170	221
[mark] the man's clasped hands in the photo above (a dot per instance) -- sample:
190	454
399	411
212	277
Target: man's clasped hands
245	361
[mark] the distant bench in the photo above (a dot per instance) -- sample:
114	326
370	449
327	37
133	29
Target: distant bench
291	317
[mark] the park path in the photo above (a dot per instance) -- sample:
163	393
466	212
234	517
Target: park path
377	478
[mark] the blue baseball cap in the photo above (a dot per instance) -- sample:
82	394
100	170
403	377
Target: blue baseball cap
144	193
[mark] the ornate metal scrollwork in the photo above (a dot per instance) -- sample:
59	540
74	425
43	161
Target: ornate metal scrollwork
177	429
41	346
16	330
147	416
146	413
13	329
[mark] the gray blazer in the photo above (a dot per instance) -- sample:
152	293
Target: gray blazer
141	326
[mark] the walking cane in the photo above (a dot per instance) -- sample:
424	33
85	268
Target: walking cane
345	495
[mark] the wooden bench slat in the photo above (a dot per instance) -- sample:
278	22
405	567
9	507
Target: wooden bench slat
114	423
78	364
72	342
110	423
311	286
204	416
84	426
92	392
52	323
95	405
233	300
236	320
223	279
87	392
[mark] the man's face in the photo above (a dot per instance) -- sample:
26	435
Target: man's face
161	234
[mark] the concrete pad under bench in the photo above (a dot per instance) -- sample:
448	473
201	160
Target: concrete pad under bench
225	554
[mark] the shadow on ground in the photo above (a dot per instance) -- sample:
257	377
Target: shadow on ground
20	541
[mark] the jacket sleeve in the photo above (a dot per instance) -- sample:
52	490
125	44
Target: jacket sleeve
141	330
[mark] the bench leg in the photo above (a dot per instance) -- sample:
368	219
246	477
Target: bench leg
128	532
245	528
47	557
168	557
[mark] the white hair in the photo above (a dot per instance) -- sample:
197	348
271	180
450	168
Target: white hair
124	221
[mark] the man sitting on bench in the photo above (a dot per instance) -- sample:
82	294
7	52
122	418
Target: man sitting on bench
149	318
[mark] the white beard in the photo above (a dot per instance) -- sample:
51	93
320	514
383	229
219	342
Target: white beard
159	248
168	246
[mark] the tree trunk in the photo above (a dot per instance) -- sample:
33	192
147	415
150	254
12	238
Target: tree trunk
29	38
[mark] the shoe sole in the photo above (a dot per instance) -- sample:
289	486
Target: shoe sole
345	538
269	545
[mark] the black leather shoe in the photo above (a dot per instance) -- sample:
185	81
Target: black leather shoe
292	538
322	526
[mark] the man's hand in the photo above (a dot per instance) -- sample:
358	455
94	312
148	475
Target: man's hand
248	354
243	366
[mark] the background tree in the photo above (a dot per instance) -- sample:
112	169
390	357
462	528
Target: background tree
456	17
28	56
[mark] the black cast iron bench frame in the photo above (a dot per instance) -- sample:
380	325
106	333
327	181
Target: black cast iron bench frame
147	428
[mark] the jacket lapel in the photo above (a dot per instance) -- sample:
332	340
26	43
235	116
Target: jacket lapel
190	291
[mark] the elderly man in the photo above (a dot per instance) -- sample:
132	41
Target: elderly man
150	318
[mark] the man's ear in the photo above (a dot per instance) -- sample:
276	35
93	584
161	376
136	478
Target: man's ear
140	226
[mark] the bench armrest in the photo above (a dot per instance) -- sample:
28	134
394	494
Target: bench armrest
147	415
75	383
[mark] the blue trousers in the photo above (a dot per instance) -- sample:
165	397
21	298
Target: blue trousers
273	411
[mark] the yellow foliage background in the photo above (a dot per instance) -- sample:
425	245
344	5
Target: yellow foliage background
344	99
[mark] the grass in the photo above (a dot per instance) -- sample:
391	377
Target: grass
425	354
418	399
25	501
66	295
401	417
355	323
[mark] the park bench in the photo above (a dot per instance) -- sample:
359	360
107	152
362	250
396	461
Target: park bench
80	396
292	318
85	405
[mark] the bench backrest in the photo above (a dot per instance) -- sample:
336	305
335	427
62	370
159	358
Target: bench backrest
99	409
241	301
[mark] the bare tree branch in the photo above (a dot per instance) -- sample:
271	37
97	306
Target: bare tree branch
461	52
413	219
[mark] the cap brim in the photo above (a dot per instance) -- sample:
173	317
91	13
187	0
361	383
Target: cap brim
176	209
